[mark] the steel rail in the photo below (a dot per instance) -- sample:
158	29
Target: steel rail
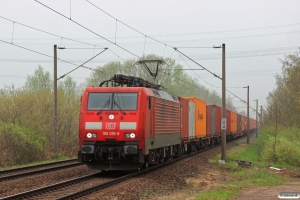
135	174
35	166
48	188
14	176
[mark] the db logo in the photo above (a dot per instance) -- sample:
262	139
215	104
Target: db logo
110	125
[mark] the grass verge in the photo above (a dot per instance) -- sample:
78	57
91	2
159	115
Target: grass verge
240	177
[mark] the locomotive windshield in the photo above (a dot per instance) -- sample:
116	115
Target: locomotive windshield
112	101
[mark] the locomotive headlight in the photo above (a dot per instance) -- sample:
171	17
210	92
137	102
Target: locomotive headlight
89	135
130	135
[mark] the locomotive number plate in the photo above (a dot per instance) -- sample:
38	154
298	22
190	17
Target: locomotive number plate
110	133
110	125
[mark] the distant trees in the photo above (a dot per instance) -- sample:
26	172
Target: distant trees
40	80
283	103
279	138
26	116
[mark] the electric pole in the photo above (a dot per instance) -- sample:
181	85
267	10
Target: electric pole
55	101
256	117
260	119
248	120
248	124
223	124
256	113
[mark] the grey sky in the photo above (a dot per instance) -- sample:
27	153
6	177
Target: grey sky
256	33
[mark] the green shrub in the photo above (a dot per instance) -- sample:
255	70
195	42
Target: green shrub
19	145
281	148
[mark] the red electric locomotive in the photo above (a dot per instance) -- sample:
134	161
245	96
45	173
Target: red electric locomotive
124	128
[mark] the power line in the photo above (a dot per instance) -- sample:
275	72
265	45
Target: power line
199	33
239	98
236	37
47	55
49	32
224	38
232	30
82	64
208	71
198	64
87	28
196	73
128	25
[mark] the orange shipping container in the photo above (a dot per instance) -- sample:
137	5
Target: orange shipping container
233	122
200	116
244	127
251	124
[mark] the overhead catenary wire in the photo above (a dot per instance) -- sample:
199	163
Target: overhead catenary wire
50	33
81	64
48	55
12	35
128	25
198	64
239	98
232	30
104	38
207	70
197	74
70	10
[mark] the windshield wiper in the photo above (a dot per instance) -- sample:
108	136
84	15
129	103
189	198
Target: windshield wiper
103	106
124	113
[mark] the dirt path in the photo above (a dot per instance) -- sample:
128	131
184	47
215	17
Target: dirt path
268	193
210	178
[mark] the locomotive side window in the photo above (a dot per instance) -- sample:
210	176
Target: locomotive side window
97	101
125	101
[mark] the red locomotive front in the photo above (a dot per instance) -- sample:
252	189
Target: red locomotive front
110	127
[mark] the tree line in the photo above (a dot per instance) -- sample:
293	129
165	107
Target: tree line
279	141
27	116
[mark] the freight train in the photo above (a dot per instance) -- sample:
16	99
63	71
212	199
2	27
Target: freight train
133	124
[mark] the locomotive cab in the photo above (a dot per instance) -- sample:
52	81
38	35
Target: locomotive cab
110	133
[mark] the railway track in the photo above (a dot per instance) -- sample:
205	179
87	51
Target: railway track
89	184
56	191
116	181
36	169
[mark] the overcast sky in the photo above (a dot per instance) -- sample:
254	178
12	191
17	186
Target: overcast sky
257	35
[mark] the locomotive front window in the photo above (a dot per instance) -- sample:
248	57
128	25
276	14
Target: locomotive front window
97	101
112	101
125	101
